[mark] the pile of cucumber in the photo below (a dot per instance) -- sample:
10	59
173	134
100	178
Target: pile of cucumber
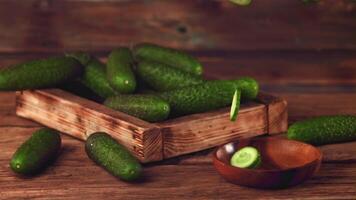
149	82
154	83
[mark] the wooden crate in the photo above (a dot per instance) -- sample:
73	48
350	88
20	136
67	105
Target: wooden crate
149	142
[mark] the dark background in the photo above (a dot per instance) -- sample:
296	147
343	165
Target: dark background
283	44
305	53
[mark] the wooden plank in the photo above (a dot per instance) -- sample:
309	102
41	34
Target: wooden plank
202	131
306	105
65	179
57	25
281	68
80	118
277	113
335	181
343	152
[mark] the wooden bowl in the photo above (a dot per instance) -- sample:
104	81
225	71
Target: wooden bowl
284	163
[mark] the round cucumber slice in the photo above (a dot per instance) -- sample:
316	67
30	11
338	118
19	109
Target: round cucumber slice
241	2
247	157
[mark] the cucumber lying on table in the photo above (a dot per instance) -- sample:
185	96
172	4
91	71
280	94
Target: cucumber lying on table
37	152
324	130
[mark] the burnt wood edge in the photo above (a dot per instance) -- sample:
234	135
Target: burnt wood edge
277	112
148	136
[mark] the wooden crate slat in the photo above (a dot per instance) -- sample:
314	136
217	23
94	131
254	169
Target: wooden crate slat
277	113
80	118
207	130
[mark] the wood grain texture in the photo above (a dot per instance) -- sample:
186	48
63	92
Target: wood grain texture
80	117
313	104
74	175
57	25
202	131
277	113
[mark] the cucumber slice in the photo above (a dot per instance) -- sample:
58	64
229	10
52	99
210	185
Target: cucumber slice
247	157
241	2
235	105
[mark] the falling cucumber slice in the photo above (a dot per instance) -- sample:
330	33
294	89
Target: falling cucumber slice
310	1
247	157
241	2
235	105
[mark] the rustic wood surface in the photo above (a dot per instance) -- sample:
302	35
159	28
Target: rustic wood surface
80	117
305	54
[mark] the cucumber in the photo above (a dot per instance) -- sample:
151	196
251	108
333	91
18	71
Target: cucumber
78	88
113	157
119	71
247	157
82	57
94	76
249	88
146	107
42	73
241	2
168	56
37	152
235	105
324	130
162	77
208	96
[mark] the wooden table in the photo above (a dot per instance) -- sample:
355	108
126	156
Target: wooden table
306	54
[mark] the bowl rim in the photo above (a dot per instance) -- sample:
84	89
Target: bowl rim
318	159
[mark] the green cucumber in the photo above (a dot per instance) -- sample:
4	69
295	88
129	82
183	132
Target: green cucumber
82	57
310	1
119	70
146	107
235	105
78	88
42	73
324	130
112	156
37	152
247	157
208	96
249	88
241	2
162	77
94	76
168	56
